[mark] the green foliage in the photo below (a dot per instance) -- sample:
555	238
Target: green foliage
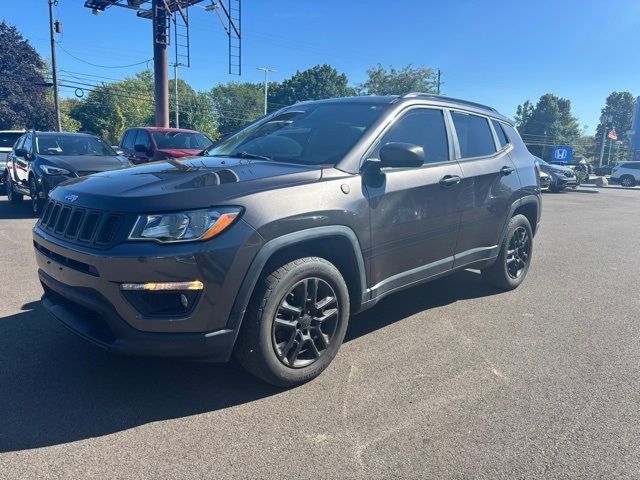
23	93
195	109
550	121
620	105
69	124
236	104
321	81
399	82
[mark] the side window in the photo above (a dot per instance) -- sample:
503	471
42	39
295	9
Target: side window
19	142
424	127
474	135
28	143
127	140
142	138
502	138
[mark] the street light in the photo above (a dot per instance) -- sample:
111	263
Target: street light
266	71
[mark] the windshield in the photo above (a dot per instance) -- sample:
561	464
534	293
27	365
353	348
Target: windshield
7	139
67	145
308	134
181	140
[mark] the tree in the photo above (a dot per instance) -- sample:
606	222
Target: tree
236	104
399	82
195	109
67	106
23	88
549	123
321	81
620	105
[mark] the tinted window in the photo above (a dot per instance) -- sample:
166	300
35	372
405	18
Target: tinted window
142	138
424	127
128	140
28	143
474	135
502	138
188	140
20	142
8	139
310	134
632	165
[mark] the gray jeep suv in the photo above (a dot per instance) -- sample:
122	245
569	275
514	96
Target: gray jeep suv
266	243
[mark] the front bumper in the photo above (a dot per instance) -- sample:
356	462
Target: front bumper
82	290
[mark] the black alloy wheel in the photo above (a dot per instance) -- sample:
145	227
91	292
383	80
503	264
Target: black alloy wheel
36	202
305	323
518	252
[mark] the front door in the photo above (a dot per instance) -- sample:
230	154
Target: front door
22	163
415	213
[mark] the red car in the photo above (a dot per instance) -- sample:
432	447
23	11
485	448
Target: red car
147	144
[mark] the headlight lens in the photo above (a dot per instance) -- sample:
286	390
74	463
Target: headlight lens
184	226
49	170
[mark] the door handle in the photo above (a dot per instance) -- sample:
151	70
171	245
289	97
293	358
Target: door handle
450	180
506	170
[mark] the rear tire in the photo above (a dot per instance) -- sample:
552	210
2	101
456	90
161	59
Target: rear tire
295	323
513	261
13	197
627	181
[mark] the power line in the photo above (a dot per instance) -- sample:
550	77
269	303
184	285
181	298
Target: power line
102	66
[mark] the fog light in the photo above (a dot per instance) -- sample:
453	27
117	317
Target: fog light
184	301
163	286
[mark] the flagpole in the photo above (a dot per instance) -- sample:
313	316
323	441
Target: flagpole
609	156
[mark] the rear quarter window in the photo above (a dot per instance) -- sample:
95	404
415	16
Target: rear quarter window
502	137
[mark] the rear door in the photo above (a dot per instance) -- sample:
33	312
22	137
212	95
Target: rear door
488	188
415	212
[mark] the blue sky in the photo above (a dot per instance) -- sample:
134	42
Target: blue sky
497	52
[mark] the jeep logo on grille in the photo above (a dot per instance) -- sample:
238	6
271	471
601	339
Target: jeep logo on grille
72	197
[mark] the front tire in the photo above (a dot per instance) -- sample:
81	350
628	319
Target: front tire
36	201
13	197
295	323
513	261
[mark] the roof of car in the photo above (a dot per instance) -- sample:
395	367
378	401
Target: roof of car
164	129
83	134
426	97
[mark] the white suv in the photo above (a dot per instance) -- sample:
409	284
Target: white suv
7	139
626	174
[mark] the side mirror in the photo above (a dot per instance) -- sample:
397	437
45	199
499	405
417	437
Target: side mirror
21	152
396	154
118	150
141	148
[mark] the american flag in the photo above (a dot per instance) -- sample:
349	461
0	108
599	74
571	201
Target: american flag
613	135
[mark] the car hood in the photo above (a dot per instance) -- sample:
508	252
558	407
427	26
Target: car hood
555	169
86	163
179	152
183	184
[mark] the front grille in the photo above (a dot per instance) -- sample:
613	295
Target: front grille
82	225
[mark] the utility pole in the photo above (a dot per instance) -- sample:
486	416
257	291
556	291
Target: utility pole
438	84
175	83
266	71
160	62
609	119
53	28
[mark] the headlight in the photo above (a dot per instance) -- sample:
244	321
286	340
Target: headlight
184	226
49	170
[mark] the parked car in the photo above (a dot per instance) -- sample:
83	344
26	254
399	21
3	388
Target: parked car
545	180
561	177
149	144
626	174
7	139
264	246
40	161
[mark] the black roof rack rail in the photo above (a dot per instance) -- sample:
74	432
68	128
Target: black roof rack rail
449	99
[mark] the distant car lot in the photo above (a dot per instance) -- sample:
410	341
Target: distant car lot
449	379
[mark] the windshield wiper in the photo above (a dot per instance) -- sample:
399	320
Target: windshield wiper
245	155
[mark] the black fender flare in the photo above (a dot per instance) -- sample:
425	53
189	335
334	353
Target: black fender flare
279	243
527	199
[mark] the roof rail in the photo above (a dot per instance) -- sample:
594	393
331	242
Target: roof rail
433	96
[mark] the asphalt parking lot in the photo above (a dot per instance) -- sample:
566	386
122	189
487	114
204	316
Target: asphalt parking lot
446	380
